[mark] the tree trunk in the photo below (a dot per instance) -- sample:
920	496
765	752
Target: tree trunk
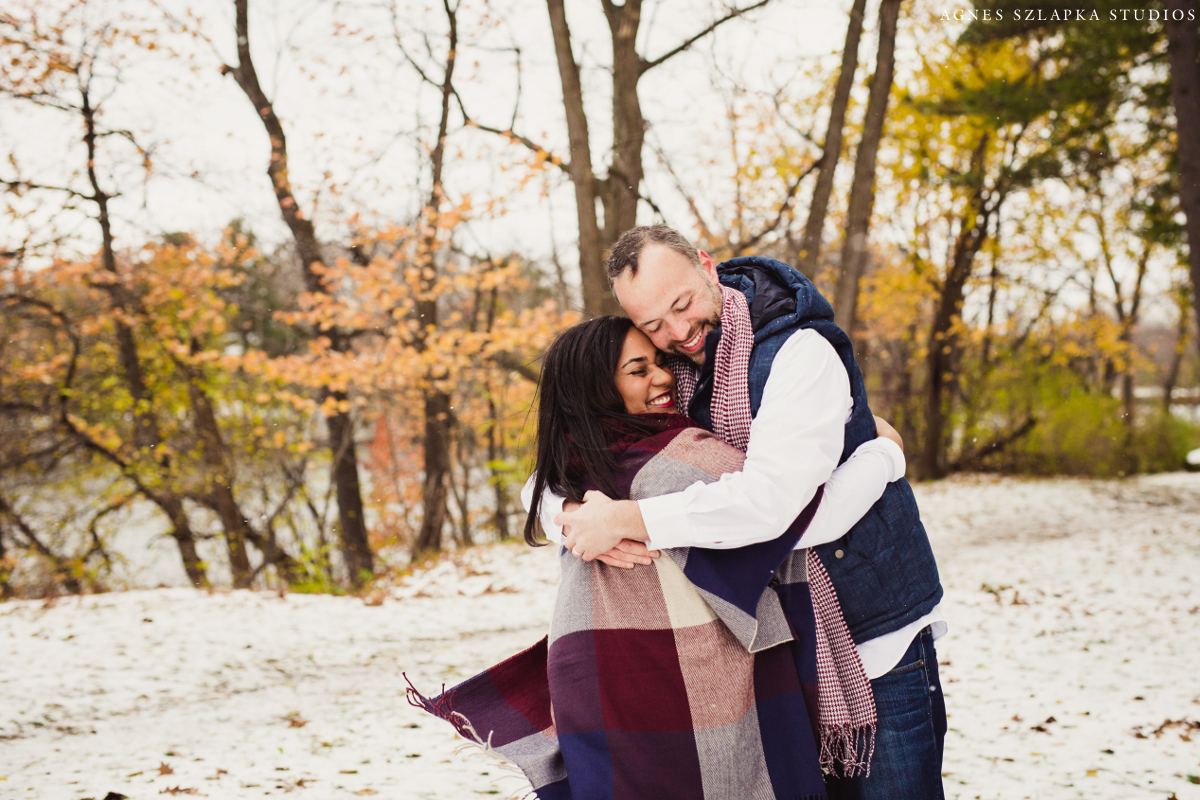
459	481
352	528
435	492
1181	343
218	493
438	417
862	190
499	479
1182	49
597	299
993	288
353	544
220	485
181	532
622	187
146	433
495	444
5	589
810	245
906	404
943	343
620	191
1129	323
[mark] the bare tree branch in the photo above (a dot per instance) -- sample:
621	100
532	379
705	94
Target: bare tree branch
995	445
17	187
412	62
11	514
512	136
511	362
687	43
97	544
753	241
705	228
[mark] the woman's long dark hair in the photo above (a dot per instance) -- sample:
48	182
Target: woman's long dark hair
576	394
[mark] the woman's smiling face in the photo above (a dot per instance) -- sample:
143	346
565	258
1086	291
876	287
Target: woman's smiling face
643	380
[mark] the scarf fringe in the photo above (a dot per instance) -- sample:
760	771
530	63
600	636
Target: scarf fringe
509	771
442	707
846	750
846	704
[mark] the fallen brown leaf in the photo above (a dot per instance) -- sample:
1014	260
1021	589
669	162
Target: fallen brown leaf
165	769
366	791
179	790
1186	724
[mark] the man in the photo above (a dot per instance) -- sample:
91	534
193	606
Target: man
810	412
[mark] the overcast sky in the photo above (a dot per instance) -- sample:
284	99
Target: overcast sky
358	118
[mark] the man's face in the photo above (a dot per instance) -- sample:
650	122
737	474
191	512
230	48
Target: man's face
671	300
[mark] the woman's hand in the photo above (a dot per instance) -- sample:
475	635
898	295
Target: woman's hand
628	554
887	431
599	525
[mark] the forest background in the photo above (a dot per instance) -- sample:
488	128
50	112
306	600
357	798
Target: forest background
275	277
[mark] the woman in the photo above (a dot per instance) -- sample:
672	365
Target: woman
684	679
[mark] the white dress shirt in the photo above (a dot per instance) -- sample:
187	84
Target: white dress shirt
850	492
795	442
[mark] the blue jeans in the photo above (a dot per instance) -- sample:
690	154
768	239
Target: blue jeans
912	729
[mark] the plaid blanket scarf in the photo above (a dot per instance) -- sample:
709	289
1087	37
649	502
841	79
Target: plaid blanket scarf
686	679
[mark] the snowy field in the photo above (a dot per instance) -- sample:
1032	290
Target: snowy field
1072	667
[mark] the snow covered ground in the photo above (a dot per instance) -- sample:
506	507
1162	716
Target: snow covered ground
1071	667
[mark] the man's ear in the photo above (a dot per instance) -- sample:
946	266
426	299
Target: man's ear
707	266
612	287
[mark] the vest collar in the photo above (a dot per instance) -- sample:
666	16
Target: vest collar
778	295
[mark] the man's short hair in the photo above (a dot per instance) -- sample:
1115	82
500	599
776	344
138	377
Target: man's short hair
624	254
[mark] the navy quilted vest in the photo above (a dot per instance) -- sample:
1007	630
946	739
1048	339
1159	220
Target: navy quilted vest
883	569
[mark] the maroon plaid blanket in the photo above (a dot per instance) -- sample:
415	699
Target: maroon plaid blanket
687	679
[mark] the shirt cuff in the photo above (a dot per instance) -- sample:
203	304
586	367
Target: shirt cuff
665	520
552	506
899	466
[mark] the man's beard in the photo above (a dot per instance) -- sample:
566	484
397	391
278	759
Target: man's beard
712	323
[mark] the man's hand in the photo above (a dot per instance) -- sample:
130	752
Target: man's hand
887	431
570	505
600	524
628	554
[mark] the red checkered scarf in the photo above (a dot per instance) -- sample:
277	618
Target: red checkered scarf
845	700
